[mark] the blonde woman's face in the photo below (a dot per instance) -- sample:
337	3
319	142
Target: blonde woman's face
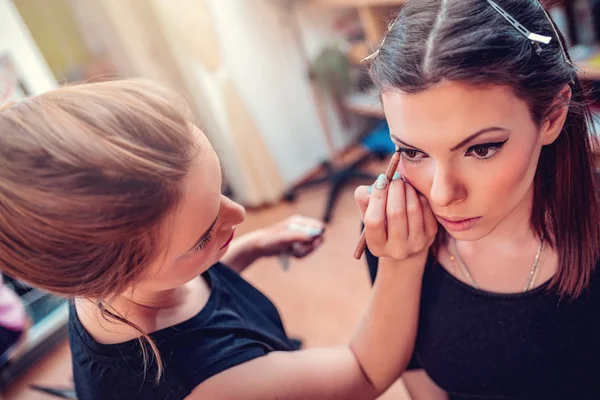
198	232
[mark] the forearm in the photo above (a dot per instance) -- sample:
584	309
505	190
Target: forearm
384	340
242	252
323	374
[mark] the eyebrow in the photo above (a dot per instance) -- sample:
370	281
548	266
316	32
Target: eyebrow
205	234
462	143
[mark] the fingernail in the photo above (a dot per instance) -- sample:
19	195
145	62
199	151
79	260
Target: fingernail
315	232
381	183
370	189
396	176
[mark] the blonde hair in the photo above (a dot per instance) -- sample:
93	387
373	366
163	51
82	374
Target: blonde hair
88	174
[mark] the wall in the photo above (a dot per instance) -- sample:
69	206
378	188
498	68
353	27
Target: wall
15	38
238	62
258	47
55	31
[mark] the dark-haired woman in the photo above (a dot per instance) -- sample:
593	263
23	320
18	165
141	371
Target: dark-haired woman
489	114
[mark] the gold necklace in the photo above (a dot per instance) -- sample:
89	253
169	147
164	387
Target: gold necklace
532	273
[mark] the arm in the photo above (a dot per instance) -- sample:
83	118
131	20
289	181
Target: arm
383	342
377	354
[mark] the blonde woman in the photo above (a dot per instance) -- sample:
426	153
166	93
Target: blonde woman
109	196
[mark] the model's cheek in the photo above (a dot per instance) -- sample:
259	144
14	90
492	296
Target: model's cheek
509	179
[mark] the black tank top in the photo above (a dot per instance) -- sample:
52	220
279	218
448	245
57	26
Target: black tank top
481	345
237	324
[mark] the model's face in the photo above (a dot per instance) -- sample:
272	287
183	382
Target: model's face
472	152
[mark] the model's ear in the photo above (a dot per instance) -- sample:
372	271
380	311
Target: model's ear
555	121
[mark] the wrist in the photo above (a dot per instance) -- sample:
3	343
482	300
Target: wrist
253	243
413	265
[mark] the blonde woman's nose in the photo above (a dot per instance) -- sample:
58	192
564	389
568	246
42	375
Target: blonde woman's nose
232	213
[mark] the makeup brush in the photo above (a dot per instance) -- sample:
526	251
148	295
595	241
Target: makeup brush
389	174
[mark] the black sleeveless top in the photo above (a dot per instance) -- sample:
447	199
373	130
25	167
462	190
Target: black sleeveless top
481	345
237	324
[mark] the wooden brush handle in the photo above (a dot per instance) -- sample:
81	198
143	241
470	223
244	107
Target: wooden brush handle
389	174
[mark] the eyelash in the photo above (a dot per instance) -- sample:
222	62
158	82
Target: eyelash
204	242
497	146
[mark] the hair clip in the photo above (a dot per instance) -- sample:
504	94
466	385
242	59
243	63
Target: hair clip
376	52
535	38
370	56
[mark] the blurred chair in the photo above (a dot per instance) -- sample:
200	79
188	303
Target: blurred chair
377	143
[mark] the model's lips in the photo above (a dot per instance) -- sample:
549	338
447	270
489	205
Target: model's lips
457	224
228	240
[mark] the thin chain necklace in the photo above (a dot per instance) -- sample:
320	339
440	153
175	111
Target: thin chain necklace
532	273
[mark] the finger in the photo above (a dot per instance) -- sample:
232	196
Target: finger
290	236
416	231
429	221
300	250
304	228
308	246
307	222
375	230
361	196
397	223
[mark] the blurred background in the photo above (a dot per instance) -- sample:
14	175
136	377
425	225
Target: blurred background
280	89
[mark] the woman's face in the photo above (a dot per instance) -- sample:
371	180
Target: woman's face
199	230
472	152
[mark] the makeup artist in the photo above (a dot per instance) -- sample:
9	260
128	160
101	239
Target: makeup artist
111	197
486	106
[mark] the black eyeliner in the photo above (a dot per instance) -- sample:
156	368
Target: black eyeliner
488	145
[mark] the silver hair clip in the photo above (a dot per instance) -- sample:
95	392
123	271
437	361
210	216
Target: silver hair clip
376	52
533	37
370	56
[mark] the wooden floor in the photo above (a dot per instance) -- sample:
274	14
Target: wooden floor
320	298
